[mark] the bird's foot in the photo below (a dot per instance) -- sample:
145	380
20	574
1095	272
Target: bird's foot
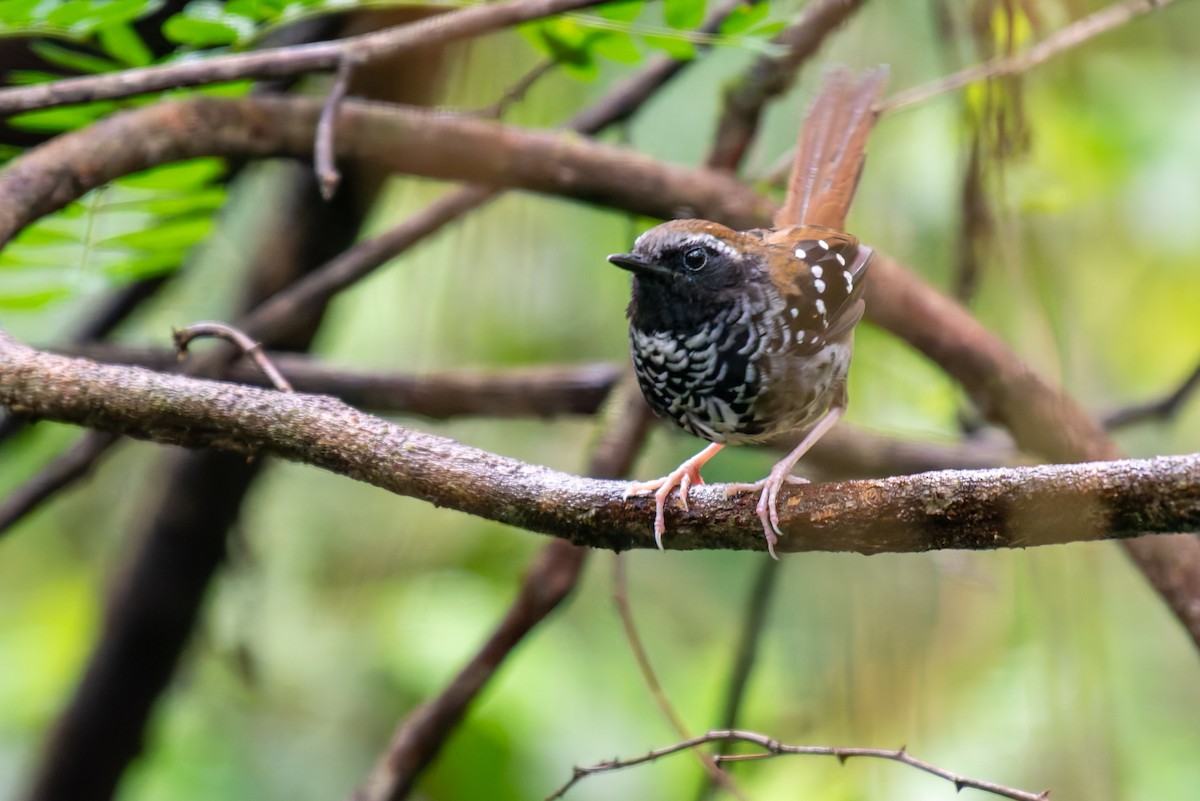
768	501
683	477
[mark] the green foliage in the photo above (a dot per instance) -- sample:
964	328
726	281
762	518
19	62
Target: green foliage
136	227
614	32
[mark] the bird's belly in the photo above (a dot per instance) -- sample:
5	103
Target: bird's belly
719	389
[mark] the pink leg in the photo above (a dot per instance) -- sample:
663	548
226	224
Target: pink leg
767	509
683	476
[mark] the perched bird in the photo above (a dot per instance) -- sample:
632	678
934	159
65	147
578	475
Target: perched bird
742	336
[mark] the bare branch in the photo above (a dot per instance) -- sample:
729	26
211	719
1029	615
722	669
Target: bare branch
250	348
282	62
516	93
324	164
67	468
954	509
774	748
1070	37
1162	409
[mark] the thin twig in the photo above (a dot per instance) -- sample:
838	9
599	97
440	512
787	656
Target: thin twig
1068	38
324	163
620	598
67	468
1161	409
516	93
249	347
282	62
773	748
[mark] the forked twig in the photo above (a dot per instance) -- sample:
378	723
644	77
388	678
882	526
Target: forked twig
773	748
249	347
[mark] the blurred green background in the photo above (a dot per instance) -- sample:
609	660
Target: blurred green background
343	607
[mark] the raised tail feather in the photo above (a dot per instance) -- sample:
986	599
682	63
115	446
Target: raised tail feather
831	150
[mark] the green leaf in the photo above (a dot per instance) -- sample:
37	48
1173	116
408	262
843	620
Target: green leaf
683	14
622	10
617	46
744	17
173	235
143	267
583	70
198	32
121	42
30	77
768	29
565	40
67	118
72	59
206	23
17	14
204	200
180	175
34	298
40	235
258	10
675	47
69	14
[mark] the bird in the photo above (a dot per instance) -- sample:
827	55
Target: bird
743	336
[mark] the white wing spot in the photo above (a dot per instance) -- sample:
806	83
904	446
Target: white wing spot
800	254
795	312
817	271
849	280
820	304
824	245
799	337
819	285
841	259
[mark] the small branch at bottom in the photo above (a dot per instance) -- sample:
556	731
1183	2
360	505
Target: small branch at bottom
773	748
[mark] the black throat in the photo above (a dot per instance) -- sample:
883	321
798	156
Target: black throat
674	305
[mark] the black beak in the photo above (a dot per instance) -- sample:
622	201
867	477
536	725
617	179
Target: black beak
636	265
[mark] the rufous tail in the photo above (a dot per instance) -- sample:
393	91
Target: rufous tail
831	150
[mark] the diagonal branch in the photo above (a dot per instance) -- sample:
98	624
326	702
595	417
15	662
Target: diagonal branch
954	509
281	62
1072	36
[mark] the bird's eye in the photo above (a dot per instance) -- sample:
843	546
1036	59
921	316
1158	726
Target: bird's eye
695	258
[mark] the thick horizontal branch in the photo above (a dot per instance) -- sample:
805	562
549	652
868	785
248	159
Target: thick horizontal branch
953	509
555	390
282	62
